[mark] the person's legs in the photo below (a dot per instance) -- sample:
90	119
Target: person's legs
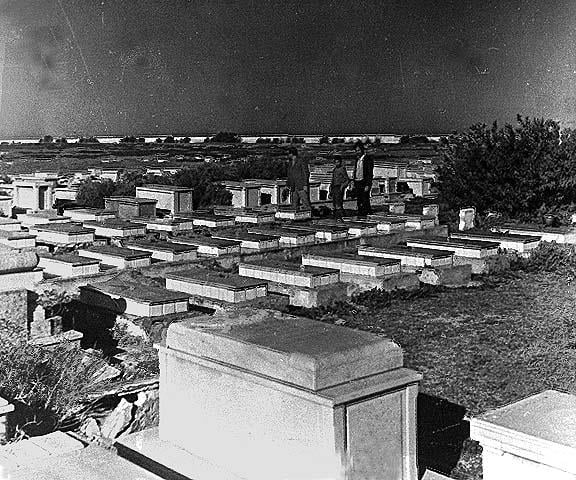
305	197
295	199
338	202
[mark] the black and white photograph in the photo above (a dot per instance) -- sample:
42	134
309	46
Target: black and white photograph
287	239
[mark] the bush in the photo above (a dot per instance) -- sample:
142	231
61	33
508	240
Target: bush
51	382
550	257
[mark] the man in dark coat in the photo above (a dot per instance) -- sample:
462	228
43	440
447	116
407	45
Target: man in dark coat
363	176
298	180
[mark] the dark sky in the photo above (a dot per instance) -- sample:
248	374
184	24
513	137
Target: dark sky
183	66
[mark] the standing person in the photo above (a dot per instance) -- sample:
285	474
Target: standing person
363	175
298	180
340	181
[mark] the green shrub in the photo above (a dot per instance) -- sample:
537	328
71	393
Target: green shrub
550	257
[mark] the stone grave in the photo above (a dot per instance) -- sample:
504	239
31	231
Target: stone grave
118	256
69	265
166	251
289	273
288	237
460	247
205	219
409	256
224	287
546	234
532	439
354	264
518	243
356	228
388	223
260	395
250	242
291	214
323	233
212	246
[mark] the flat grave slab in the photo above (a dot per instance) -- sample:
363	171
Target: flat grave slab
324	233
507	241
250	241
17	239
211	246
117	256
356	228
229	288
546	234
291	214
210	220
289	273
409	256
10	224
532	438
116	228
288	237
69	265
461	248
388	223
166	251
352	263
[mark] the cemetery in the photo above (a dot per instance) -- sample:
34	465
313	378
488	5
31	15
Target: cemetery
292	315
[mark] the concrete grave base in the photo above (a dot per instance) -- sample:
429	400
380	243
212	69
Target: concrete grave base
455	276
363	283
310	297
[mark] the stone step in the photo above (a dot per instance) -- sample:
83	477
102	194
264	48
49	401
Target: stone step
409	256
215	247
225	287
352	263
519	243
461	248
289	273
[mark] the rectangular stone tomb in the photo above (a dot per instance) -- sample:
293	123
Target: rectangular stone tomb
532	439
250	241
228	288
210	220
16	239
133	298
388	223
290	273
215	247
69	265
117	228
62	233
461	248
410	256
269	396
166	251
89	214
419	222
356	228
546	234
519	243
118	256
324	233
10	224
255	217
291	214
355	264
288	237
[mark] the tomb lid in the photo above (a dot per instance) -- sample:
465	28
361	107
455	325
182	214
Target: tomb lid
161	246
352	258
306	353
549	416
408	251
153	295
526	227
71	258
15	234
206	241
283	232
163	188
454	242
68	227
251	237
221	280
496	236
297	268
119	252
205	216
115	223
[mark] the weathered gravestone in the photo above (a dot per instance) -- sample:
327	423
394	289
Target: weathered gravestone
257	394
467	216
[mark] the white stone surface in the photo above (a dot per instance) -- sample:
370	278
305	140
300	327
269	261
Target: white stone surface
532	439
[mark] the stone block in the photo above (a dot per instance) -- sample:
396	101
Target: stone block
467	217
303	399
362	283
40	326
532	439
